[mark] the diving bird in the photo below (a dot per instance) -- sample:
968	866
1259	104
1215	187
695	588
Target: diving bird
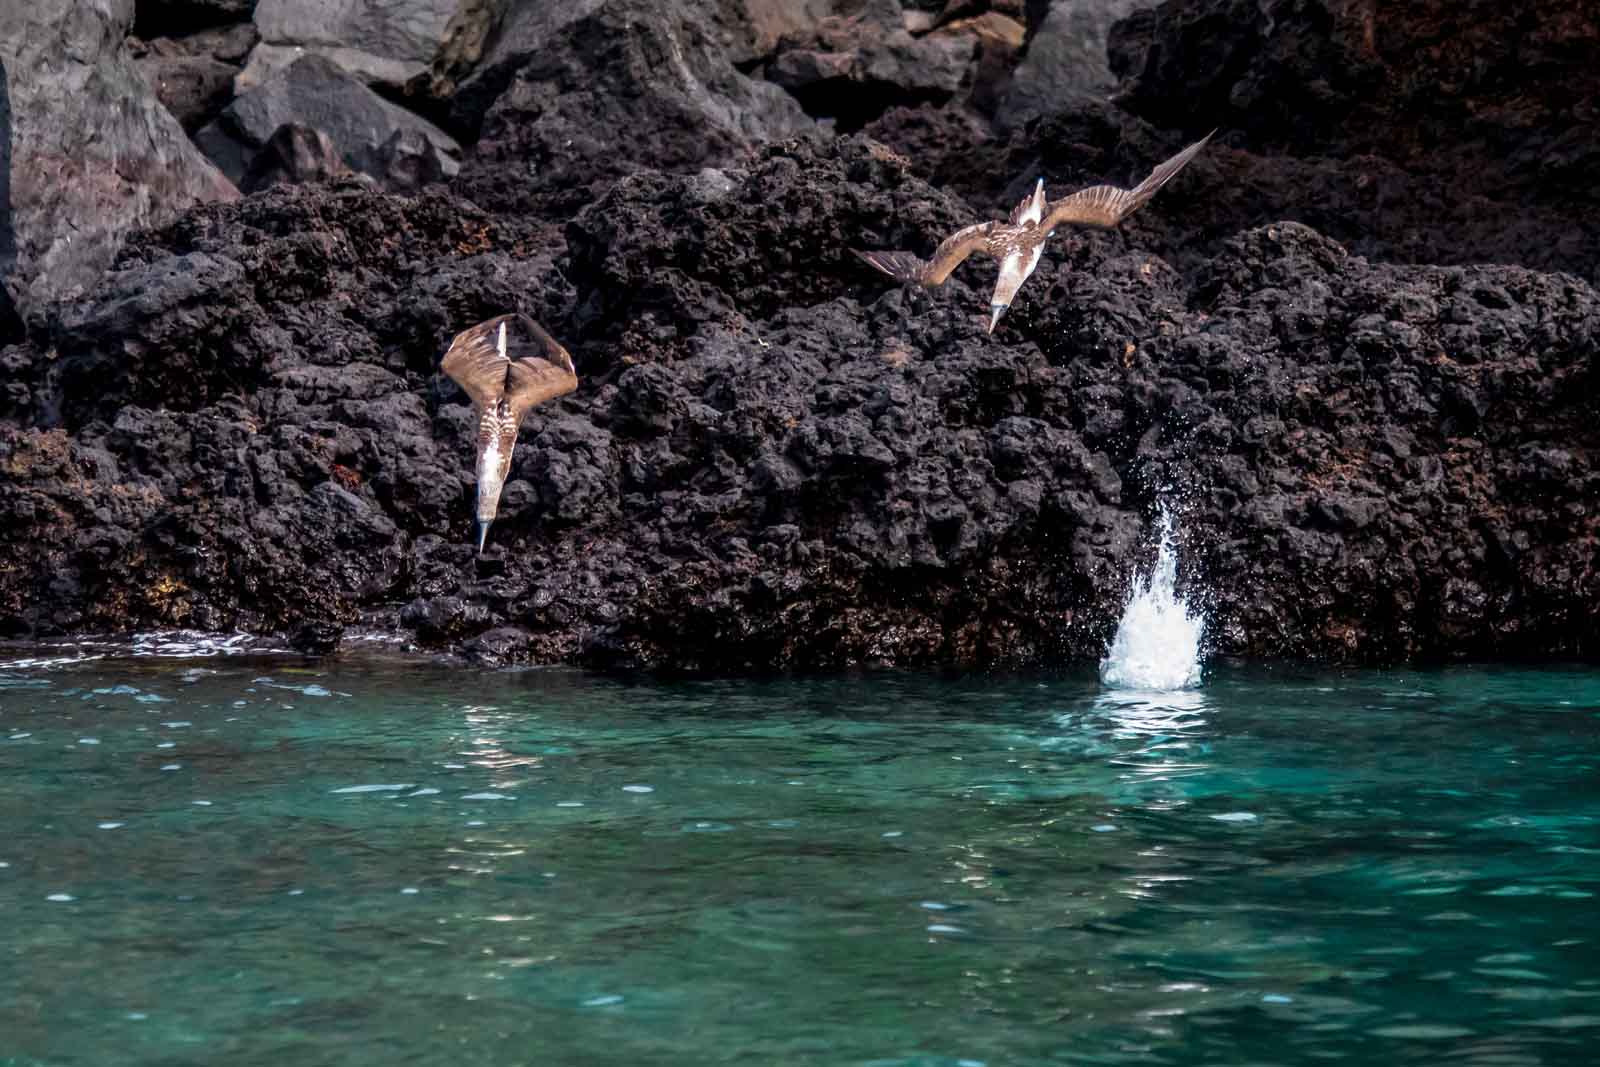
507	365
1018	242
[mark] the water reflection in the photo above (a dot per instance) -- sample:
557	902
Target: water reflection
1152	736
487	727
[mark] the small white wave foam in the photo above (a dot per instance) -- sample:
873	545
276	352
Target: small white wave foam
161	644
1157	646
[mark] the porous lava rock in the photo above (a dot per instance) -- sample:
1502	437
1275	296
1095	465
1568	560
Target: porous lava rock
572	96
776	460
1475	116
1357	359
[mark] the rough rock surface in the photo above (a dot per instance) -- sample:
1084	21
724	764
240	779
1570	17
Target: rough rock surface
1066	56
314	93
295	155
574	95
384	44
1378	446
774	460
188	76
93	153
1483	112
10	322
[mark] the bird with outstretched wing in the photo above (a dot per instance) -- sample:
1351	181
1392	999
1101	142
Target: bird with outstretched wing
1018	242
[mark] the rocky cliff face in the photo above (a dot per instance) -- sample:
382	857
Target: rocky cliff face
1365	383
93	153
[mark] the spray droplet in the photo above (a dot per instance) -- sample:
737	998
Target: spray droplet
1157	645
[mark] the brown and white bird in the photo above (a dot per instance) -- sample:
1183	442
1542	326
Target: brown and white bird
1018	242
507	365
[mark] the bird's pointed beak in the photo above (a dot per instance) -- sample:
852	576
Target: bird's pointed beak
483	535
995	311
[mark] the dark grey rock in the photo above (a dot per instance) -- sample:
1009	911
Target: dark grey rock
385	44
1065	58
10	322
93	153
193	88
295	155
571	96
314	93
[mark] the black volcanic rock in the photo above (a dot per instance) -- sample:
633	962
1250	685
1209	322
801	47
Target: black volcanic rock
778	458
1477	121
158	18
572	96
774	459
193	85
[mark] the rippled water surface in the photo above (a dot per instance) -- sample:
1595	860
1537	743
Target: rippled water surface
252	860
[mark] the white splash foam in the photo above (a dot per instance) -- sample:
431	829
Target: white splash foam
1157	646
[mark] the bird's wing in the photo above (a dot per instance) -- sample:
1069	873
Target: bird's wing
541	369
474	361
1107	205
533	369
1023	212
955	248
947	257
901	266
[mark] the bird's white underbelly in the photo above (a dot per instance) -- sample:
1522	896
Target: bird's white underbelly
489	461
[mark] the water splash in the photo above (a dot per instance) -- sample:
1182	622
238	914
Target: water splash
1157	646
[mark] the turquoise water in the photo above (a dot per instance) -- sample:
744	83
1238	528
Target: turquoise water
268	860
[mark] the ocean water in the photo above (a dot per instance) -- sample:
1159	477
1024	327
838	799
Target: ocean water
250	859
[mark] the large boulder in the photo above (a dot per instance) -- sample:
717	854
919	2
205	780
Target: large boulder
314	93
93	152
572	96
384	44
193	76
1066	57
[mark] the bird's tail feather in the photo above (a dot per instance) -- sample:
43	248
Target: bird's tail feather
903	266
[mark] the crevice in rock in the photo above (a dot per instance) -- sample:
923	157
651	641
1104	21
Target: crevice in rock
177	19
850	105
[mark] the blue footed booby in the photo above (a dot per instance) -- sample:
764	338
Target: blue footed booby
507	365
1017	242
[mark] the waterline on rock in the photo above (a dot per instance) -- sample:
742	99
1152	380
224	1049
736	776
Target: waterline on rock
1157	645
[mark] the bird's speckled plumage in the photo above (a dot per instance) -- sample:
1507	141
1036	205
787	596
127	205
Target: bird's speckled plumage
1018	242
507	365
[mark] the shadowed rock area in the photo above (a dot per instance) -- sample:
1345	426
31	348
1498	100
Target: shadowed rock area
1370	396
